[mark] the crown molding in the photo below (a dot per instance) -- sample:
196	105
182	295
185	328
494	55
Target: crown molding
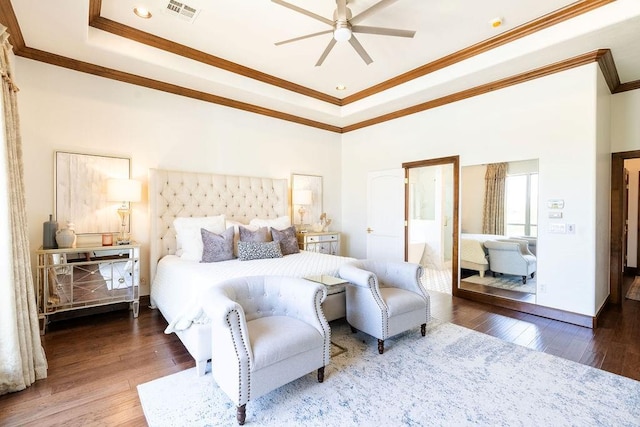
603	57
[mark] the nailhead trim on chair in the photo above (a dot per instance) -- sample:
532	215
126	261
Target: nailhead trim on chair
238	357
319	314
425	294
384	326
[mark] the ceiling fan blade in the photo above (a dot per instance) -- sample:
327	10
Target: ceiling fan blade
326	52
303	11
303	37
382	31
342	10
373	9
358	47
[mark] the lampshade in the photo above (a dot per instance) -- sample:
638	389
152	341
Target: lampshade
124	190
302	197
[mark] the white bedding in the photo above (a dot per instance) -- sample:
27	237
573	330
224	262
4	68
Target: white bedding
178	284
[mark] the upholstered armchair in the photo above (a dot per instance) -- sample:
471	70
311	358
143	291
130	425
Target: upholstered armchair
385	298
266	332
511	256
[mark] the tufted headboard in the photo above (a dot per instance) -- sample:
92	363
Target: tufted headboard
176	193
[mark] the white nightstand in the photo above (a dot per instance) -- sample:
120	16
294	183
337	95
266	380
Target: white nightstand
327	242
87	276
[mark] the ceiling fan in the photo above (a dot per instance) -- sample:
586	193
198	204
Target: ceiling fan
344	25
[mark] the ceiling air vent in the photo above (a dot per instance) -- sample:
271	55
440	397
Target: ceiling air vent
182	11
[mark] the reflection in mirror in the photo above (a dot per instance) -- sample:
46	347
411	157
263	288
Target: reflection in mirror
498	241
430	223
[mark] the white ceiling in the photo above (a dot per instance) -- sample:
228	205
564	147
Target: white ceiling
244	32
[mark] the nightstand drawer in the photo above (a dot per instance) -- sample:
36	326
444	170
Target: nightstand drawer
323	242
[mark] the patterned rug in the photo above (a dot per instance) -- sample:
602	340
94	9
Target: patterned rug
513	283
634	290
452	377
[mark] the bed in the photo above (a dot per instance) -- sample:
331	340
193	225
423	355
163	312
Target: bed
176	283
473	254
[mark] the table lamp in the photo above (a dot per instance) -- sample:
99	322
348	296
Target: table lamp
302	198
125	191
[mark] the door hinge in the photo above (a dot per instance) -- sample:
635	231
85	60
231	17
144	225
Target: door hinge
406	180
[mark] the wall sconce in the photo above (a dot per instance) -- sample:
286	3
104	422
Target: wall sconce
125	191
302	198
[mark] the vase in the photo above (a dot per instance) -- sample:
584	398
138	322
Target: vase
66	238
49	229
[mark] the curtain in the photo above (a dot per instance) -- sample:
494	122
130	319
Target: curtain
493	214
22	358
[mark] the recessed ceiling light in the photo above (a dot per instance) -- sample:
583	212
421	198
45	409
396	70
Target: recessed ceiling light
495	22
341	87
142	12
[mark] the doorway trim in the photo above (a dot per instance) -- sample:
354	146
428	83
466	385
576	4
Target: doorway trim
617	223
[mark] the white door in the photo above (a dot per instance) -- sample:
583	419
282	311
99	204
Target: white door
385	215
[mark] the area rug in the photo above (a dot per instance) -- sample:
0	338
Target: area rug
512	283
634	290
452	377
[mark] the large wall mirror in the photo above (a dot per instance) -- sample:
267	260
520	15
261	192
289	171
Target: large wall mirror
499	220
81	191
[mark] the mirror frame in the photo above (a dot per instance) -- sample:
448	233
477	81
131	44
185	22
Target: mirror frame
455	162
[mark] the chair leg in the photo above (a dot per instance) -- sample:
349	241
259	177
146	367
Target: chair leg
423	329
380	346
241	414
321	374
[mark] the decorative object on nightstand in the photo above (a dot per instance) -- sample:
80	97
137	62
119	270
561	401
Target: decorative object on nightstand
49	229
125	191
302	198
66	237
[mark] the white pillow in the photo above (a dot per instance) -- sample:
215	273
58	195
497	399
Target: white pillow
188	237
279	223
236	232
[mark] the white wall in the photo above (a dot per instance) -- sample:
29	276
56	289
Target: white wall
603	192
542	119
625	121
65	110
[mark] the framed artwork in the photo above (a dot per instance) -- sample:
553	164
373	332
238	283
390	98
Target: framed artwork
80	191
306	199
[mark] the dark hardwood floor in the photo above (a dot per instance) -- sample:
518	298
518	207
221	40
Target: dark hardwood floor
96	362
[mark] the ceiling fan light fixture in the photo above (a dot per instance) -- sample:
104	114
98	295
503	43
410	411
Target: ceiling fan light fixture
342	33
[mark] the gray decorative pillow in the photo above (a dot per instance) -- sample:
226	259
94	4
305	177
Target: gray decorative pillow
217	247
258	250
259	235
288	240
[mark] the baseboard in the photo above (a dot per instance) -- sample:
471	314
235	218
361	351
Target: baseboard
525	307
